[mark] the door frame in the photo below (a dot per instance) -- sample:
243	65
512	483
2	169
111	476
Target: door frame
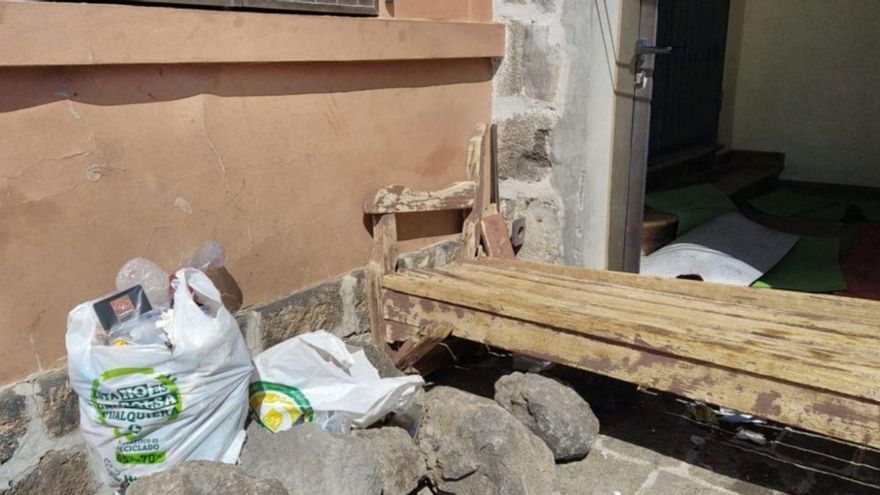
631	127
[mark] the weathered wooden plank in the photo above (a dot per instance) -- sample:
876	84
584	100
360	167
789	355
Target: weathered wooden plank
399	199
818	306
659	322
419	345
741	322
696	295
496	239
824	412
618	321
383	259
398	332
470	230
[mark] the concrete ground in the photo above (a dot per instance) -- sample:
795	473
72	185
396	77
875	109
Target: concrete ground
616	467
651	444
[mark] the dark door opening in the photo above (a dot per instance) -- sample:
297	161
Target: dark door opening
686	99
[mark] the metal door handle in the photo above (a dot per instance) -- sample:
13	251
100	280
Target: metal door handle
642	48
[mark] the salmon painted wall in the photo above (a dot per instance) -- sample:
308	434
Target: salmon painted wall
102	163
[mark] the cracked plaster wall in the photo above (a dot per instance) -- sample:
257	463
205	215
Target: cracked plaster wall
101	164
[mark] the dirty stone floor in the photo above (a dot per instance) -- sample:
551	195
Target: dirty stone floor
650	444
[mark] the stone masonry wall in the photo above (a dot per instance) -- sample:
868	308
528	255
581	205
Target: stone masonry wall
41	450
553	109
527	110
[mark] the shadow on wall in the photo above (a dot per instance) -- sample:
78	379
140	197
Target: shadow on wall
411	226
134	84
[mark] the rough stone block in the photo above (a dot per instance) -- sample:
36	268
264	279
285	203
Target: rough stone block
509	75
400	463
305	459
57	403
204	478
531	66
13	423
435	255
543	215
540	62
250	323
524	151
543	5
337	306
64	472
318	307
555	413
472	445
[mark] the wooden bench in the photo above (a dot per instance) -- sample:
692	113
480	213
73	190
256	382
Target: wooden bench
811	361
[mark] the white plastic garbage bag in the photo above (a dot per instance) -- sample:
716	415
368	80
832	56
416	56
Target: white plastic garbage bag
315	376
145	408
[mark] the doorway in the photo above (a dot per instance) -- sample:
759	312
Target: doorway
784	148
686	97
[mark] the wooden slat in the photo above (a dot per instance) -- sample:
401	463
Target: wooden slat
651	326
420	344
828	413
818	306
496	239
398	332
700	295
399	199
470	230
721	340
846	339
383	259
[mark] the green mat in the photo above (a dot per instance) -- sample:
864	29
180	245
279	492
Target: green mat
694	205
811	266
788	203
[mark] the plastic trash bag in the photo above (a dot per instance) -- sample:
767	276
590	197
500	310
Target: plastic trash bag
145	408
313	377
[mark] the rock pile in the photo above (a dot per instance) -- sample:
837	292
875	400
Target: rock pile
466	444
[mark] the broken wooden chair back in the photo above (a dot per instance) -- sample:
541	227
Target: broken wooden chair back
807	360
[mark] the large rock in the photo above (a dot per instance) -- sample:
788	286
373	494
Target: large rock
400	462
307	460
204	478
472	445
552	411
63	472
